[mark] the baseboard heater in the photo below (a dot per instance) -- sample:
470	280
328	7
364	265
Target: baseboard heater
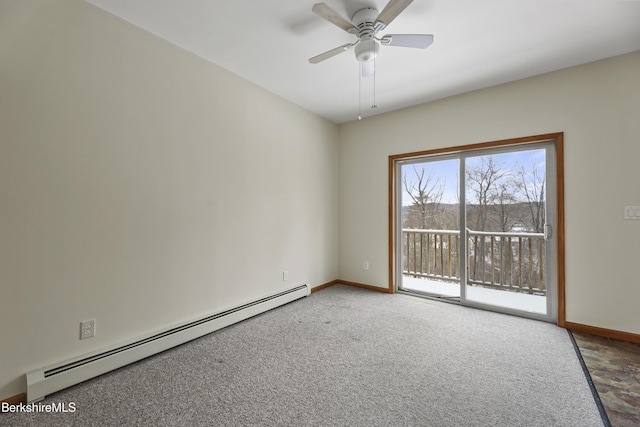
47	380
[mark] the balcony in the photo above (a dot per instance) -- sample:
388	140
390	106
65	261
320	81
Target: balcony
496	261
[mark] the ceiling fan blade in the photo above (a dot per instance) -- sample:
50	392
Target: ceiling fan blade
419	41
330	53
324	11
368	68
390	12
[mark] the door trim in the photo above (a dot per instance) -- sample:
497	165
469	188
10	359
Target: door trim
558	141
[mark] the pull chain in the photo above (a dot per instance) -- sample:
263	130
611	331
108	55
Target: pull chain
359	91
374	106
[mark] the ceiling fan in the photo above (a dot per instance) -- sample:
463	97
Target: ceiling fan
365	25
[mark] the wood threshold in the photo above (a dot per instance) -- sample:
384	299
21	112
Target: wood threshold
603	332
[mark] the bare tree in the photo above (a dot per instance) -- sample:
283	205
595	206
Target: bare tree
506	201
483	181
426	192
488	185
531	185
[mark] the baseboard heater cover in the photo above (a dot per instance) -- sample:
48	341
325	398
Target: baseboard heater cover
47	380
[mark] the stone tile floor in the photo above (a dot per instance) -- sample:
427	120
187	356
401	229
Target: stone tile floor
614	367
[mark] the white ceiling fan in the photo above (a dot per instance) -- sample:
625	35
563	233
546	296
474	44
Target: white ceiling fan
365	25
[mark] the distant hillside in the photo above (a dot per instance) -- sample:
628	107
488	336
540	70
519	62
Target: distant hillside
516	217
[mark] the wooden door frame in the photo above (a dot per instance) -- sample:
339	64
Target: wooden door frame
557	139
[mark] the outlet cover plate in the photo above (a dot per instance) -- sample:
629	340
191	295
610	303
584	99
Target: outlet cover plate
87	329
632	212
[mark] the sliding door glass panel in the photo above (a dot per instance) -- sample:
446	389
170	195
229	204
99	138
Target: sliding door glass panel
430	227
505	216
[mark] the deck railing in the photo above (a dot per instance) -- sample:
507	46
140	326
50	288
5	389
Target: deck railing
507	261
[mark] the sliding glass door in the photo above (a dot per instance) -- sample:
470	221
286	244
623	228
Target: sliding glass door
478	226
506	214
430	219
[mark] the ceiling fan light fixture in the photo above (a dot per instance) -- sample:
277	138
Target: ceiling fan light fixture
367	50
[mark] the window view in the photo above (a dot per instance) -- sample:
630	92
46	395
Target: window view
505	216
431	227
498	252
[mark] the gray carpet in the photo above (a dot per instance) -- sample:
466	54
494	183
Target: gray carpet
347	357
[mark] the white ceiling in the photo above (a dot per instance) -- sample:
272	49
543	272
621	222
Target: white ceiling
477	44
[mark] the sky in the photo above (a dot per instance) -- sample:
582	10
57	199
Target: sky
447	171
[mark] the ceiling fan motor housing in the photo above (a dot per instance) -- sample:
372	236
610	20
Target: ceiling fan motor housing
367	49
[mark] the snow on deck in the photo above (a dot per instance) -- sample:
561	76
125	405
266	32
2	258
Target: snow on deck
513	300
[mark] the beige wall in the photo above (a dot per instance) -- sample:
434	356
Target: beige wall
597	106
143	186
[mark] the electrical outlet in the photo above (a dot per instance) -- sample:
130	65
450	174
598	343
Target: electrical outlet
632	212
87	329
285	276
365	265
